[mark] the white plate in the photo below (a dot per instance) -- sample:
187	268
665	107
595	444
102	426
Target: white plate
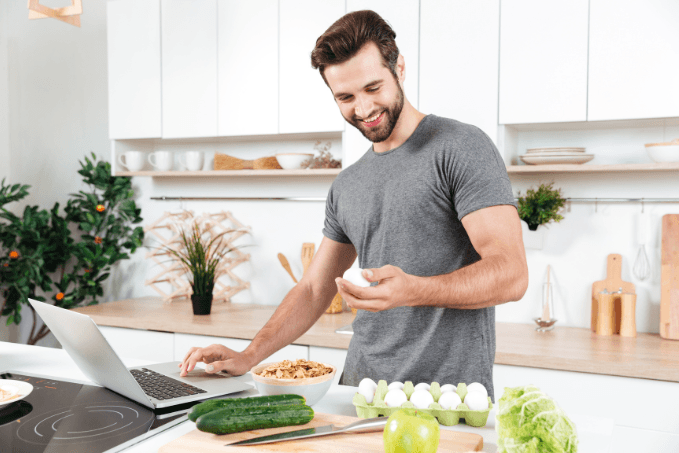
555	150
547	160
556	154
23	389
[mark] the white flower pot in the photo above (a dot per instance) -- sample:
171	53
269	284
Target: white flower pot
533	239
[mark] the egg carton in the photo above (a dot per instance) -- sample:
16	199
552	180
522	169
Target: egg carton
447	417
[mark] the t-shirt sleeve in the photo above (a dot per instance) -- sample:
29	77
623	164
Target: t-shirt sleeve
332	228
479	176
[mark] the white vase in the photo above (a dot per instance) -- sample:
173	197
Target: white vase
533	239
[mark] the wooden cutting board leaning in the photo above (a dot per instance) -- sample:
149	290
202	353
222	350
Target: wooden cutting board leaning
669	278
612	283
198	441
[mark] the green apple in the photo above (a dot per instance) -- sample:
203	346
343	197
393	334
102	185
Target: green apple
411	431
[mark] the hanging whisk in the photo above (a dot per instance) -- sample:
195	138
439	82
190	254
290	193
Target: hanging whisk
642	268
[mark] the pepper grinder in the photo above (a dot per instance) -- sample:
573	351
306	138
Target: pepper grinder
628	324
605	317
545	322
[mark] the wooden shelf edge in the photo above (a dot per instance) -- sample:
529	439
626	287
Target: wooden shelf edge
239	173
584	168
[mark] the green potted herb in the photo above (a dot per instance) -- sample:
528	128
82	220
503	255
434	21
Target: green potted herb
540	207
200	255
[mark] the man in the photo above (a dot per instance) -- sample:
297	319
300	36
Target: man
429	212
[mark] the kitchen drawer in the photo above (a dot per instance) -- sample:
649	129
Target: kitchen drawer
184	342
155	347
335	357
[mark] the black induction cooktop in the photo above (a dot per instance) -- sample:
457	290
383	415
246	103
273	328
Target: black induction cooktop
68	417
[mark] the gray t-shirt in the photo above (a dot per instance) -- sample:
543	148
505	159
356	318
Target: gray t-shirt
403	207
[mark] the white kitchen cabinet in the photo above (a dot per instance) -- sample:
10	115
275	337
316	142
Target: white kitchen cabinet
459	54
248	67
155	347
543	61
133	37
189	68
184	342
633	59
306	103
335	357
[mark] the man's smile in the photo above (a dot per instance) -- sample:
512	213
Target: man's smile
374	121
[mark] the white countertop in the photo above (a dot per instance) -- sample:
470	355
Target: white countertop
595	433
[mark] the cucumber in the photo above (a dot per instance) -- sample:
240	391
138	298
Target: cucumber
256	401
235	420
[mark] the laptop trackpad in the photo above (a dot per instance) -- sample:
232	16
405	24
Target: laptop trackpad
199	378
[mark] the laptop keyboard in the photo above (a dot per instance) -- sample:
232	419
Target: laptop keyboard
162	387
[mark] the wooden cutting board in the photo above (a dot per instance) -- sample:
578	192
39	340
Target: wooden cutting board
612	283
669	278
198	441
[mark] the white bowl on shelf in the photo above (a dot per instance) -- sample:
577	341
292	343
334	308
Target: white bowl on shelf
312	389
292	161
663	152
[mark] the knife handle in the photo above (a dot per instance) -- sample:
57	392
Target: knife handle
368	424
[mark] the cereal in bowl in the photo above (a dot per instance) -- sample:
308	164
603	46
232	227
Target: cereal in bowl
299	369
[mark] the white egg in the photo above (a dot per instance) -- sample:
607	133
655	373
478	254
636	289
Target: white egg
476	401
395	397
476	387
421	398
395	385
448	388
354	276
367	388
422	386
449	400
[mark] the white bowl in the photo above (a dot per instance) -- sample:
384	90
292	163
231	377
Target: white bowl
22	389
292	161
663	152
312	389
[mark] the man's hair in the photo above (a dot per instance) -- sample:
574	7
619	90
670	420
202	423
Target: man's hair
349	34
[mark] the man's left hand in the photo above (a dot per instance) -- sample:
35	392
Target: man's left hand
395	289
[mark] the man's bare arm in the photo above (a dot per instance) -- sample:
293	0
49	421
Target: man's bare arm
306	302
501	275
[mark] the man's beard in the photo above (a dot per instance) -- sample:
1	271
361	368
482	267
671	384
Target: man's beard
382	131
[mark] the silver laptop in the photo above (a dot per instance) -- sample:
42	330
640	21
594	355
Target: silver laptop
154	386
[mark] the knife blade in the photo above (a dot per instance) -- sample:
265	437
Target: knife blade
366	425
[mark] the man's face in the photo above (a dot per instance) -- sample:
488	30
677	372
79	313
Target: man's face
367	93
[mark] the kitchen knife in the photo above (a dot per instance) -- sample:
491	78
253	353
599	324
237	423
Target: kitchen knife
366	425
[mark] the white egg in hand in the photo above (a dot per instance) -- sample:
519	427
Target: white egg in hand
448	388
354	276
395	397
476	401
395	385
422	386
367	388
476	387
421	398
449	400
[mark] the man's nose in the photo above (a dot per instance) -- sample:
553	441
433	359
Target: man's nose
364	107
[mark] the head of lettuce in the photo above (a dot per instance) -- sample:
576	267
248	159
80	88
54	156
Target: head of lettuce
529	421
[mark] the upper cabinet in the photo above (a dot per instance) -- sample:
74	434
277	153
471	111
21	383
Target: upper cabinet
189	62
459	61
633	59
543	61
306	103
247	67
134	69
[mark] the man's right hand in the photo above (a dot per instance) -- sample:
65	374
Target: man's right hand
217	358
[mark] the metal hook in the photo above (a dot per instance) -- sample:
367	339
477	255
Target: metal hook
596	204
642	205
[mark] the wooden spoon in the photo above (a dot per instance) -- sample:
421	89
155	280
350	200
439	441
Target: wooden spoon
308	249
286	266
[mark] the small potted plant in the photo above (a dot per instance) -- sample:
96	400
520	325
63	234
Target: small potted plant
200	255
539	207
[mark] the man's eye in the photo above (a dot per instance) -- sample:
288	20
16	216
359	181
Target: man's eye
344	99
373	89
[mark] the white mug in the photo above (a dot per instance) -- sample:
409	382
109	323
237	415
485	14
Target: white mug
133	160
192	160
162	160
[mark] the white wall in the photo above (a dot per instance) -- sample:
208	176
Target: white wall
53	102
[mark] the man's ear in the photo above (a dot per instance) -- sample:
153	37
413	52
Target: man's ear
401	68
